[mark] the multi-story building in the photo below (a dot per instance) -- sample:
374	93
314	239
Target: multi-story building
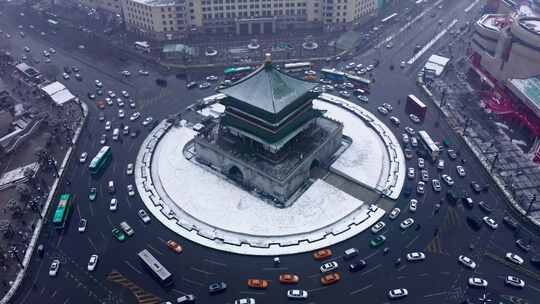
113	6
172	18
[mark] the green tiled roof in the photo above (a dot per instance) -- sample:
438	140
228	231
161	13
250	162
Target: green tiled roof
268	89
529	87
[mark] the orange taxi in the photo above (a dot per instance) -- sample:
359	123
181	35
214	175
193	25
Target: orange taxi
288	278
330	278
257	283
100	104
322	254
174	246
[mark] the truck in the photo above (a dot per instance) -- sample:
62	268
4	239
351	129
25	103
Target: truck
415	106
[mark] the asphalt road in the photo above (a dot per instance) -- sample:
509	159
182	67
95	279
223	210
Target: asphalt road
120	278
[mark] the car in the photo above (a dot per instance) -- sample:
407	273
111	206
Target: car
413	205
92	263
410	173
288	278
466	261
410	130
394	213
398	293
107	125
511	222
524	245
421	187
414	141
405	138
378	227
143	216
143	72
130	190
476	187
111	94
461	171
127	228
212	78
415	256
78	77
125	73
408	153
357	266
116	134
52	51
257	283
440	164
82	225
436	185
26	49
425	175
189	298
217	287
514	258
490	222
485	207
109	101
103	139
121	113
297	294
330	278
173	245
125	130
327	267
147	121
132	105
129	169
363	98
452	154
135	116
46	54
414	118
125	94
93	194
377	241
382	110
118	234
83	158
91	95
245	301
322	254
53	269
514	281
345	94
350	253
204	85
113	205
477	282
75	69
387	106
98	83
65	76
395	121
447	179
408	222
120	102
421	163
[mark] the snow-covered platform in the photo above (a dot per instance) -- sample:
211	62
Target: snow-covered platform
207	209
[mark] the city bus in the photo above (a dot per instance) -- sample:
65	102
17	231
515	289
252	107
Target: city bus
142	46
298	67
62	211
99	161
157	270
362	83
389	18
428	144
237	73
332	74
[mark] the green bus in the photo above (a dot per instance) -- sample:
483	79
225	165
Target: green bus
62	211
237	73
99	161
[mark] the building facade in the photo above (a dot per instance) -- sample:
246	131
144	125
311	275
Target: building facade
113	6
176	18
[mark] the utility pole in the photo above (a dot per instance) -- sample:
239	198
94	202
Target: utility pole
467	123
494	162
533	200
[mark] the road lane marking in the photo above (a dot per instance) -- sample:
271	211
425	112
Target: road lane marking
179	292
412	241
371	255
361	289
192	282
436	294
428	45
132	267
534	288
91	209
468	8
317	289
60	238
54	294
370	270
256	293
215	263
109	220
92	244
275	268
201	271
154	249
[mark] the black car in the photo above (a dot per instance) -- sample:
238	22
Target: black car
161	82
524	245
407	191
451	197
357	266
476	187
217	287
452	154
75	69
474	223
485	207
99	92
67	70
511	223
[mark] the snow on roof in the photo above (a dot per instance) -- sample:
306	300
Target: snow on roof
53	88
58	93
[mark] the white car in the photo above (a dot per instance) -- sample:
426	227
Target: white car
52	51
144	216
109	101
461	171
415	256
125	131
92	263
421	163
98	83
421	187
394	213
382	110
395	121
405	138
398	293
65	76
477	282
410	173
414	141
512	257
410	130
103	139
82	225
467	262
107	125
111	94
204	85
245	301
121	113
490	222
414	118
126	73
436	185
212	78
408	222
297	294
447	179
413	205
425	175
378	227
113	205
129	169
83	158
144	72
387	106
147	121
26	49
514	281
125	94
440	164
326	267
185	299
130	190
135	116
53	269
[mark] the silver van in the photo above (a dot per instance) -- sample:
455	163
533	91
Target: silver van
127	228
350	253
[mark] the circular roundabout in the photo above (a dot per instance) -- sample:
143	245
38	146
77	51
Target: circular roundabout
209	209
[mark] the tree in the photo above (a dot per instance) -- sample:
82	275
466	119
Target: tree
24	191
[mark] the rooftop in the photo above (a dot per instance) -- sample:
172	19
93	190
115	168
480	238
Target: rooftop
268	89
156	2
531	24
530	88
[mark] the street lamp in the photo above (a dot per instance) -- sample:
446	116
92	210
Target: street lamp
533	200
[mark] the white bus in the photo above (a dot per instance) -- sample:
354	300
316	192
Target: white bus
389	18
158	271
142	46
428	144
297	67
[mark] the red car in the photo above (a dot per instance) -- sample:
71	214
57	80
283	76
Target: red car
330	278
174	246
100	104
257	284
288	278
322	254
